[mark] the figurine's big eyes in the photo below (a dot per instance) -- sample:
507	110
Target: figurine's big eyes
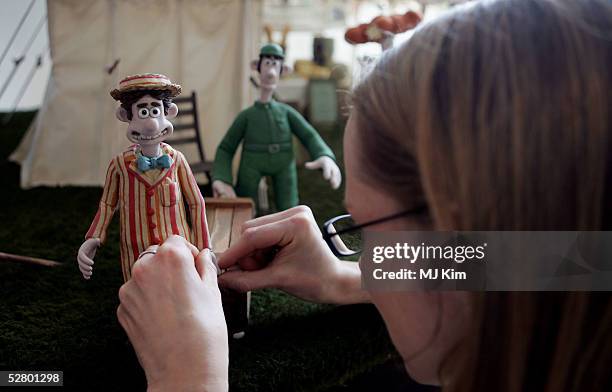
267	62
143	112
155	112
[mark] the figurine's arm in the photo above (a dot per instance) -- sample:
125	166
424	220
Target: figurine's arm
197	209
107	206
97	231
309	136
222	169
322	156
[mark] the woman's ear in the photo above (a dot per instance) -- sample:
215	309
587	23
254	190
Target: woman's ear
254	64
172	111
122	114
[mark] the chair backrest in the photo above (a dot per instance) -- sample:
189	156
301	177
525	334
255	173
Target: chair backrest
187	131
187	127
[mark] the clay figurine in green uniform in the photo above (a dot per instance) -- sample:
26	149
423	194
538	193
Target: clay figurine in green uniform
266	130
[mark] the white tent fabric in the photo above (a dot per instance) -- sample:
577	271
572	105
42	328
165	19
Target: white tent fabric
205	46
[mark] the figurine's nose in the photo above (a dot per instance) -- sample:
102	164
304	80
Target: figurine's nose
149	125
271	73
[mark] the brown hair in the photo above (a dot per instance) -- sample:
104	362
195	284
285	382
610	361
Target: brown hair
497	116
128	99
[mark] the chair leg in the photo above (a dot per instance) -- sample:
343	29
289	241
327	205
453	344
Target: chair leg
264	202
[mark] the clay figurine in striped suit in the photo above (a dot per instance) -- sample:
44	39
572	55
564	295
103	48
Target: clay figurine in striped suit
148	181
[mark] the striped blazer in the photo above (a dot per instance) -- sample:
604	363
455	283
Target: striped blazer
151	205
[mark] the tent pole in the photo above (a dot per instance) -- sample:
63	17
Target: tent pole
40	24
16	64
24	88
23	18
19	59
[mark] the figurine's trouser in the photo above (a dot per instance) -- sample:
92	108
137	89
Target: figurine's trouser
279	166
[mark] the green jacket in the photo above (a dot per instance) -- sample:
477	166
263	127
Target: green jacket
265	124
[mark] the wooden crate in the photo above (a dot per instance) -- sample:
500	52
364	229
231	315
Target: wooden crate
225	216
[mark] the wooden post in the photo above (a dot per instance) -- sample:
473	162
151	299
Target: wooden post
225	216
28	260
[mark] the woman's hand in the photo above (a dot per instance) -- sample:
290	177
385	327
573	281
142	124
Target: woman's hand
171	311
286	251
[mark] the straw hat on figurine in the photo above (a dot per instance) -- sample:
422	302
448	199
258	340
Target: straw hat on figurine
148	81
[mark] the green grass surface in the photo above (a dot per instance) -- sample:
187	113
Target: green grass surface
50	318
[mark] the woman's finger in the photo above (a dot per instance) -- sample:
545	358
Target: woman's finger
247	280
194	251
257	260
278	216
174	240
256	238
150	251
206	267
177	248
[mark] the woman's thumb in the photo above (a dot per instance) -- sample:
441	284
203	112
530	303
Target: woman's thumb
246	280
206	264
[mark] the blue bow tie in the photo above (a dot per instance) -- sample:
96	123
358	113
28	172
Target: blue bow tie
146	163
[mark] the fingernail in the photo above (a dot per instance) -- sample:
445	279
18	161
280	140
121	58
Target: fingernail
213	258
208	253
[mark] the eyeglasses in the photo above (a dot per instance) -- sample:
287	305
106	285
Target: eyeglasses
343	236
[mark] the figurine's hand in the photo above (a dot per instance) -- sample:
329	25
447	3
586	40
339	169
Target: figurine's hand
331	171
286	251
171	311
87	252
222	189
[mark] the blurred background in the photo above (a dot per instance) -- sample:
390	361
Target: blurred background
63	54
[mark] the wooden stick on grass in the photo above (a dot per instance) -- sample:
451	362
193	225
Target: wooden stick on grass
28	260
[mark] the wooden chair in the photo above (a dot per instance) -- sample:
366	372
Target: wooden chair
187	131
225	216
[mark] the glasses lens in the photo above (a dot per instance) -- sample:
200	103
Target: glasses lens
349	243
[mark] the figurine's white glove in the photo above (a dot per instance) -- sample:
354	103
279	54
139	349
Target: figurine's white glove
222	189
331	171
87	251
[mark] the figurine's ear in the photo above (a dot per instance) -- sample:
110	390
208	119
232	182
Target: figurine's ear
122	114
254	64
287	69
172	111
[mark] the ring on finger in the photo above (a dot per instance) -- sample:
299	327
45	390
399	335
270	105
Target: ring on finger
149	251
213	257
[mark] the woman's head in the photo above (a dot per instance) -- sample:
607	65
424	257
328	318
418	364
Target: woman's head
507	100
496	117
